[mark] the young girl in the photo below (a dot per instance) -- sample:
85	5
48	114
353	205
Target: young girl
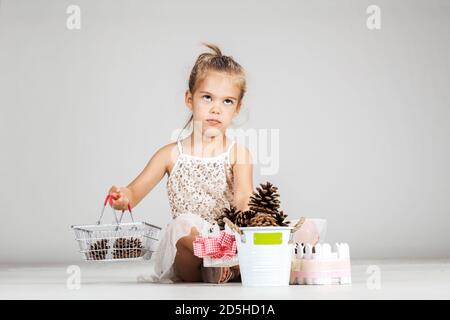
206	171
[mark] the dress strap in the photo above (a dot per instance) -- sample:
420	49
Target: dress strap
180	149
231	146
228	153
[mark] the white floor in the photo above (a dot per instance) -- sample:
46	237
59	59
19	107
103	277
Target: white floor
421	279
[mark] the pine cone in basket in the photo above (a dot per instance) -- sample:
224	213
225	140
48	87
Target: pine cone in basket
263	220
136	245
243	218
120	246
127	248
99	249
229	213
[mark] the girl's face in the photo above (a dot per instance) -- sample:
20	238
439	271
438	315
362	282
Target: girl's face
215	102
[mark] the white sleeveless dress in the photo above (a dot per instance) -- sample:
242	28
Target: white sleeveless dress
198	189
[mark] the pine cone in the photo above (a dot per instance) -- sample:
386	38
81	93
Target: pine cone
119	248
283	220
99	249
280	217
229	213
263	220
127	248
243	218
265	200
137	248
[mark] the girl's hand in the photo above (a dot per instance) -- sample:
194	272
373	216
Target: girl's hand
119	200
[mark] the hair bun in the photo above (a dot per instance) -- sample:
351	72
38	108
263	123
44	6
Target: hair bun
214	48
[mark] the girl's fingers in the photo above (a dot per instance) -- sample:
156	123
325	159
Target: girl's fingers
114	189
119	203
117	198
114	194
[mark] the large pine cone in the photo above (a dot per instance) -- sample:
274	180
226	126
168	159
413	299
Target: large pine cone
265	200
263	220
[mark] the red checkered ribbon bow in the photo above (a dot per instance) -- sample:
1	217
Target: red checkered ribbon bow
223	246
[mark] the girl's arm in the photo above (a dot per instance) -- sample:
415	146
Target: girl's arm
150	176
243	177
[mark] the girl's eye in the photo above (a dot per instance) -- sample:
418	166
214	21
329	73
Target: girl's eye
206	98
228	102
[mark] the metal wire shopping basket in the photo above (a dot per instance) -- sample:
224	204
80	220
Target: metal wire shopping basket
119	241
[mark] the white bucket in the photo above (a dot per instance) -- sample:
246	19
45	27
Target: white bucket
265	255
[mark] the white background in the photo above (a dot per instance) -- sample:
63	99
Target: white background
363	114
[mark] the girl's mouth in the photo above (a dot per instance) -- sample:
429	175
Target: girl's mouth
213	122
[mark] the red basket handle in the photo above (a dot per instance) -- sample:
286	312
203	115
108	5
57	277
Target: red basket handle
109	199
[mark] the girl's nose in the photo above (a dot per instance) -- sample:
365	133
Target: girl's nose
215	109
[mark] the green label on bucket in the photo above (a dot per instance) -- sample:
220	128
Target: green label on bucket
268	238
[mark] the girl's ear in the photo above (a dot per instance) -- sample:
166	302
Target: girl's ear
188	99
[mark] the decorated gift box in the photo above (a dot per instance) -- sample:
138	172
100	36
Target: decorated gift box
319	264
216	247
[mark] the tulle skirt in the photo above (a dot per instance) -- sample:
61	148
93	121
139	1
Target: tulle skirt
164	257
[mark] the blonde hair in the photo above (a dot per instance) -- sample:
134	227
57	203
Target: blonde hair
215	61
